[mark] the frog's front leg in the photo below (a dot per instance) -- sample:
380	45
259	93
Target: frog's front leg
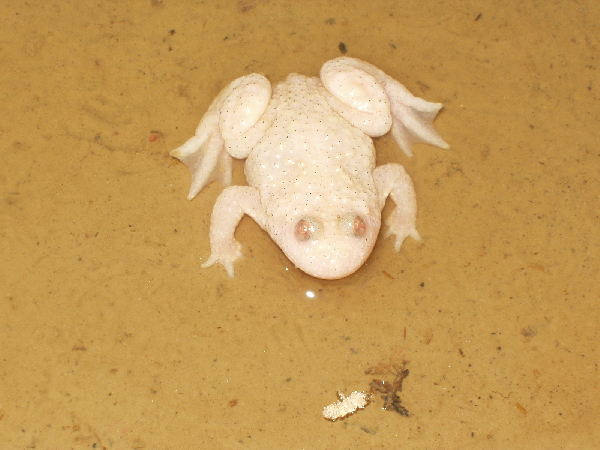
230	128
392	180
373	102
230	207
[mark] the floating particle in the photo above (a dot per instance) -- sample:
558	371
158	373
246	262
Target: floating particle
346	406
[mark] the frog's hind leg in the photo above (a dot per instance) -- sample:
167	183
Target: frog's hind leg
374	102
207	161
230	128
412	118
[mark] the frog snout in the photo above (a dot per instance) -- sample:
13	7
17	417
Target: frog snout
331	249
332	258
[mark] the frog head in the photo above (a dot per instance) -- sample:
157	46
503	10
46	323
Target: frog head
327	243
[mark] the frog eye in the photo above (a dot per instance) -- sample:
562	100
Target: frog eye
353	224
358	226
306	228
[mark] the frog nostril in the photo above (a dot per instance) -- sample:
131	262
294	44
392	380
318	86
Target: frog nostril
305	228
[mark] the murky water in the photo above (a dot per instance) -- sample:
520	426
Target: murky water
111	334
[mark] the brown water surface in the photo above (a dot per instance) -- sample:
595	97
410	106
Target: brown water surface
112	336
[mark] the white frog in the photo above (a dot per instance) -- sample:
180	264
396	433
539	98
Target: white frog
310	163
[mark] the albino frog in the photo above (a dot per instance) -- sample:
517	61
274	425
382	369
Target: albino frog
310	163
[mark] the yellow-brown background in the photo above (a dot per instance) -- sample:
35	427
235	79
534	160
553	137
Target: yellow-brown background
111	336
